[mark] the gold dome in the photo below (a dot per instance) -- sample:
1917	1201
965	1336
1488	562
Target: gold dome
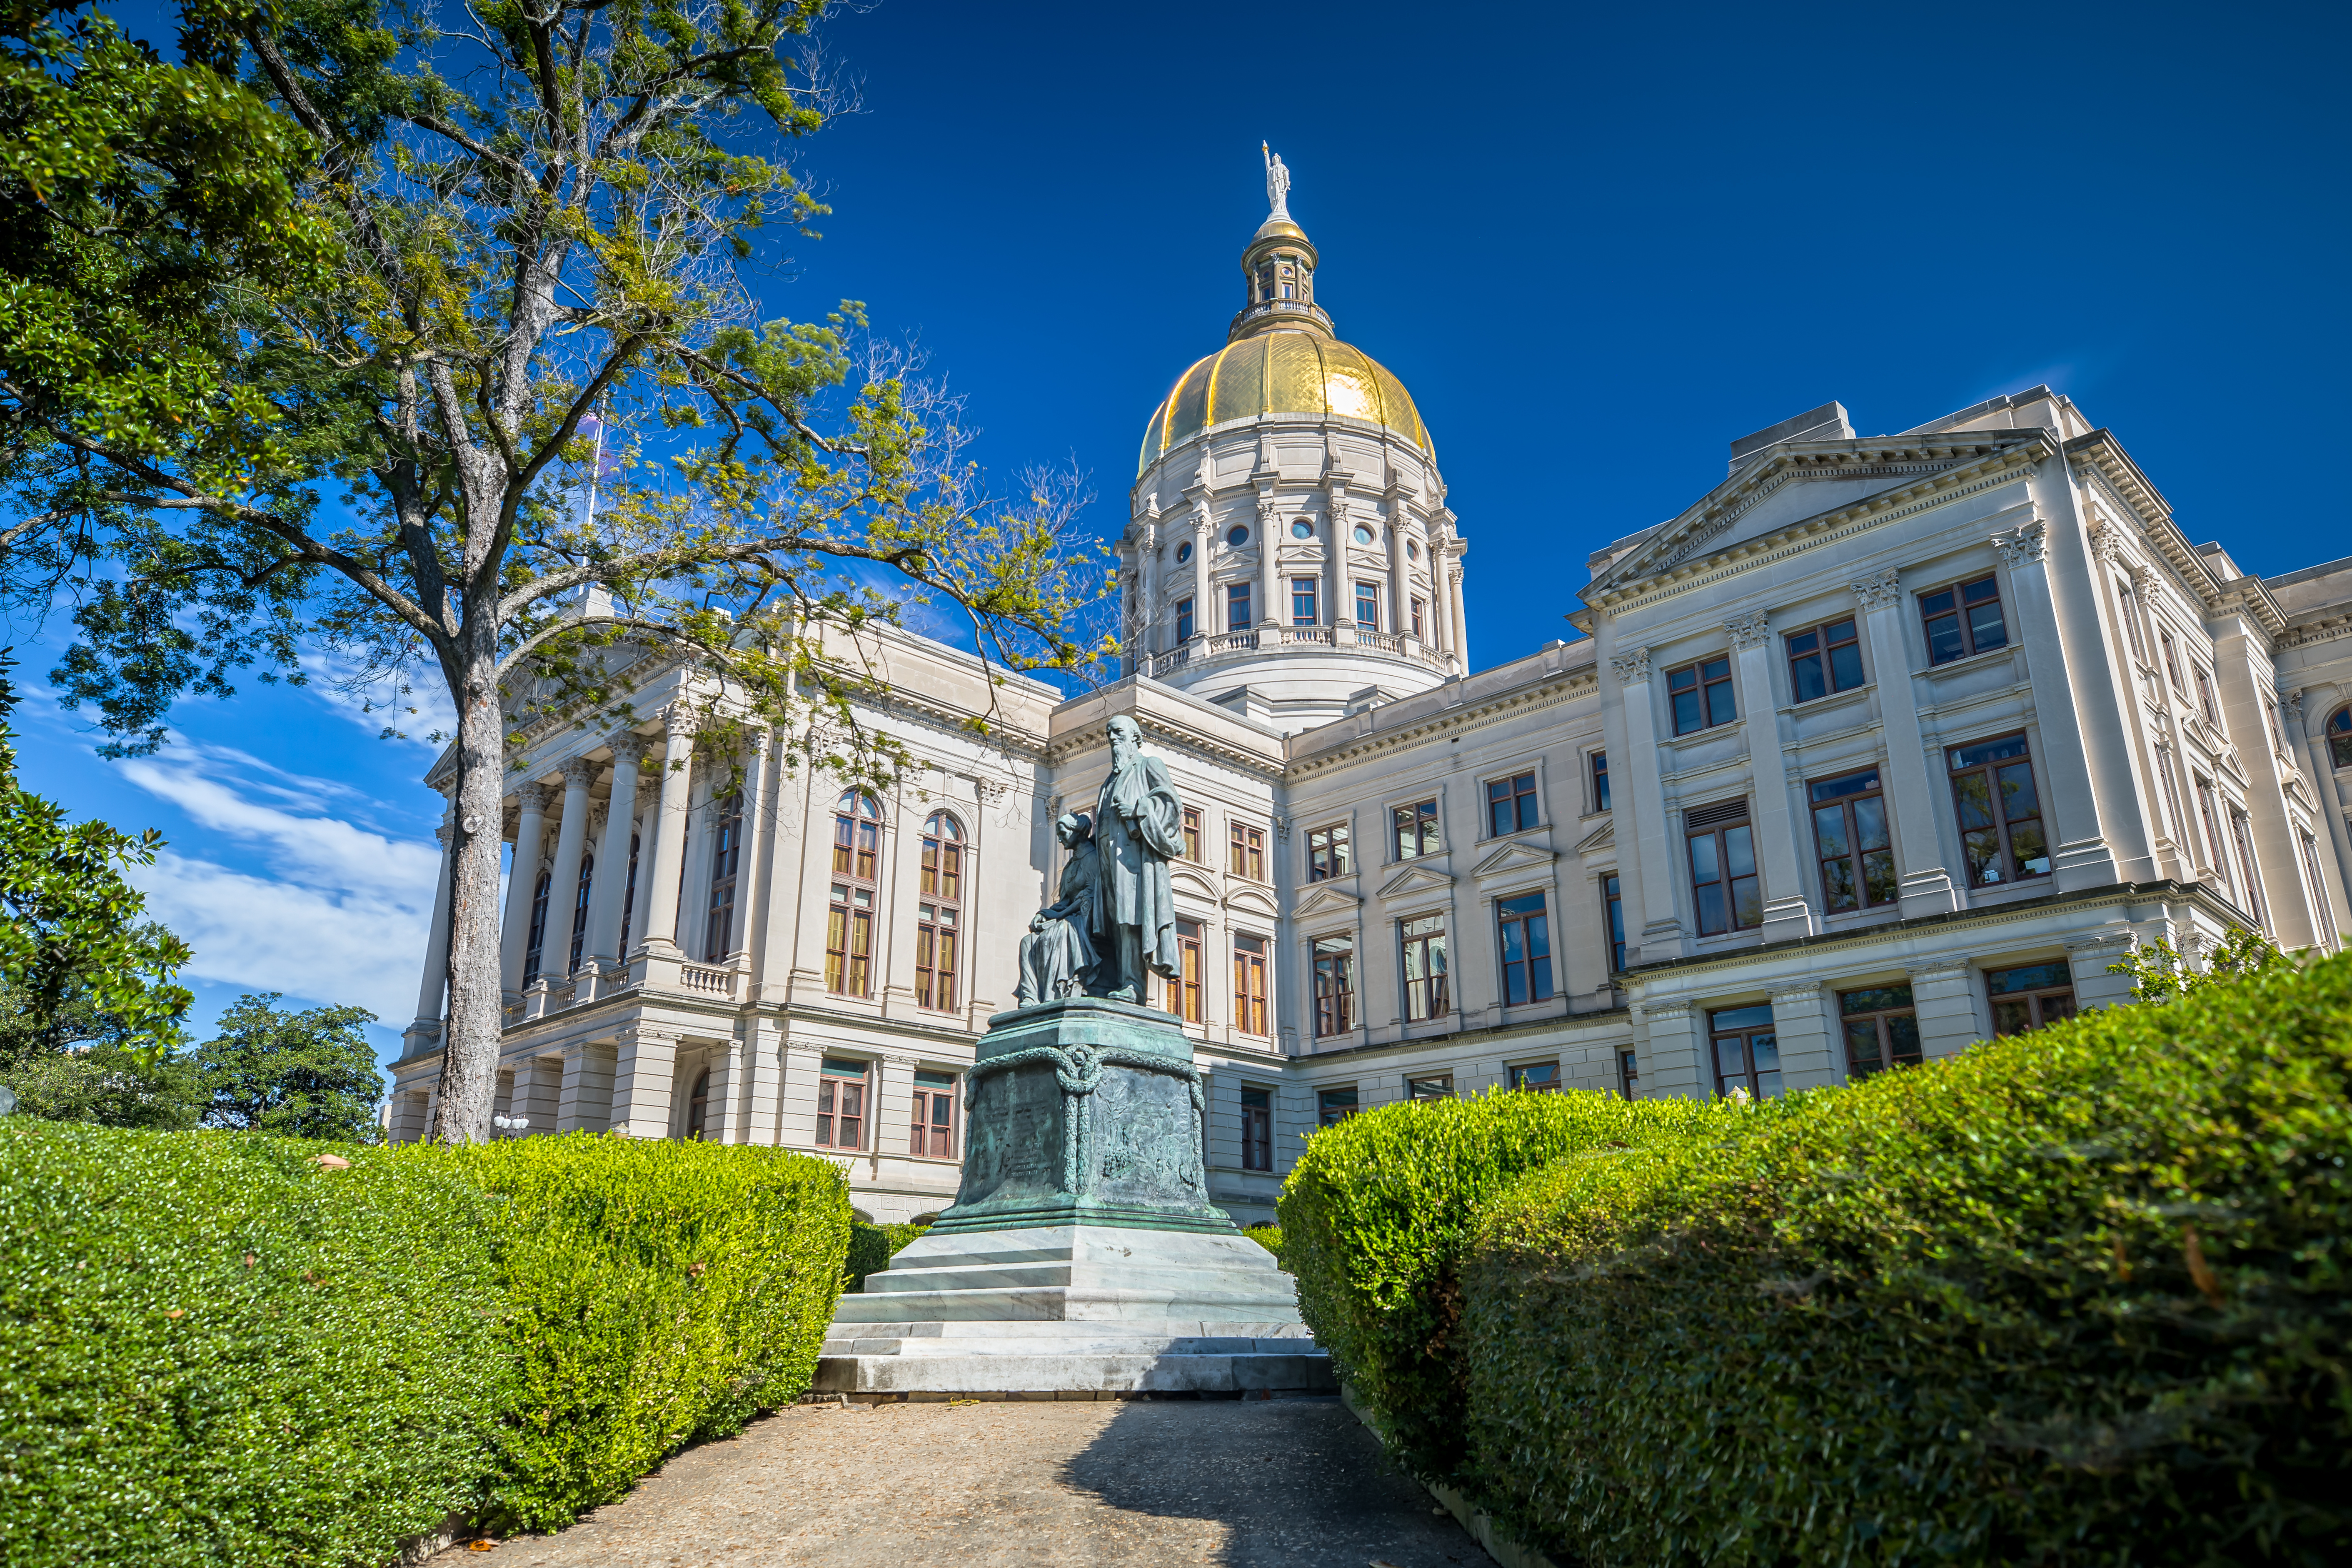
1284	370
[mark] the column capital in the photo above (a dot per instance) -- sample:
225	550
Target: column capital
579	772
1799	993
1940	969
531	796
2116	943
630	747
2023	543
445	832
2291	706
2107	542
1750	630
1878	591
1668	1012
680	718
1632	668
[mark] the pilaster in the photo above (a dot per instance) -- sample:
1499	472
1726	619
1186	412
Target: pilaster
1674	1057
584	1099
1661	936
1788	914
1943	994
1808	1037
2081	856
1926	883
2088	958
644	1074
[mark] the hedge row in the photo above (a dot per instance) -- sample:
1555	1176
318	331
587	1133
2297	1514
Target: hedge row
214	1350
871	1247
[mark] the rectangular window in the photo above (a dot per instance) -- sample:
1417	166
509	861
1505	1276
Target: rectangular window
2028	997
726	859
1436	1086
2002	834
1629	1075
1327	853
1416	618
1184	987
1249	984
536	943
1880	1029
1600	766
1543	1078
841	1104
1257	1130
2127	607
2172	661
2209	819
1850	840
1825	659
1424	968
2171	794
1612	901
1747	1051
1962	619
933	1133
1525	938
1416	830
1701	695
1246	851
1302	602
1333	1106
849	942
1192	833
2205	704
1510	804
936	940
1335	985
1184	620
2243	839
1368	606
1725	893
2312	874
1237	607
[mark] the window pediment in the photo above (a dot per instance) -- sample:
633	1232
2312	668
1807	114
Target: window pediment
1415	878
1514	854
1324	901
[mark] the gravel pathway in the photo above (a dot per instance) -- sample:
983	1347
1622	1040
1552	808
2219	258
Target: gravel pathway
1295	1482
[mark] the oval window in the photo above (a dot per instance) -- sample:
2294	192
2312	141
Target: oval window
1412	550
1363	535
1302	529
1238	537
1183	553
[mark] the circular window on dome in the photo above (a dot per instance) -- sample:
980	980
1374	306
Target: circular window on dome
1238	537
1412	550
1363	535
1183	553
1302	529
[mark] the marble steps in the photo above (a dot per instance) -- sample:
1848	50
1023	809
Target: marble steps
994	1276
1050	1302
1066	1374
1067	1344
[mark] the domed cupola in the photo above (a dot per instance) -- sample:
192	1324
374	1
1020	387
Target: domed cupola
1290	555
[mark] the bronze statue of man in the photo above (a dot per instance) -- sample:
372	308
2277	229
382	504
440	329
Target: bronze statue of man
1138	829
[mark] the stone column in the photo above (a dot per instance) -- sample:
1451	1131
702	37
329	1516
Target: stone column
1658	860
609	891
1804	1019
645	812
1339	604
1924	883
1453	598
1400	572
1788	913
543	1101
1206	616
669	834
420	1035
1269	546
1943	993
1154	613
1441	607
763	1081
530	835
564	881
584	1098
1131	616
644	1070
2080	855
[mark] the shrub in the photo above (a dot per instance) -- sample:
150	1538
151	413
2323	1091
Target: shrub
871	1247
1375	1216
2075	1296
1268	1236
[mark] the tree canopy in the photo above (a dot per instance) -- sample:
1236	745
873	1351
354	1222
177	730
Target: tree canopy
310	1074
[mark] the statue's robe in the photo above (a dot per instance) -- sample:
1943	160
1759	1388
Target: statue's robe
1132	887
1062	951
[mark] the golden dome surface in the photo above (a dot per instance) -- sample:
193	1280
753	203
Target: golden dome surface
1284	370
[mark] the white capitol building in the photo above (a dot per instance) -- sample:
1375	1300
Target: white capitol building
1884	745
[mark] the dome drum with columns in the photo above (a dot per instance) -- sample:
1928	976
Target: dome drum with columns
1290	555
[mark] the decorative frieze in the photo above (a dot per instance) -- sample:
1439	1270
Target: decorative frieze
1878	591
2021	544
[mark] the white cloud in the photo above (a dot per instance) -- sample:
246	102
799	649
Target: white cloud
416	710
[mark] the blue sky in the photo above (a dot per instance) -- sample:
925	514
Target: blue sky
1597	244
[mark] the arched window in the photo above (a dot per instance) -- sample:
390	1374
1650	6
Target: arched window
538	927
939	922
629	901
849	924
697	1104
2339	738
579	910
726	857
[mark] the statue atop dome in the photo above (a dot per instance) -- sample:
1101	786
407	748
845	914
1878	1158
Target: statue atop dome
1278	181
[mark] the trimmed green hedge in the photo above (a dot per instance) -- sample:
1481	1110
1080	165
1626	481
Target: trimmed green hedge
871	1247
1380	1210
2075	1296
1268	1236
512	1333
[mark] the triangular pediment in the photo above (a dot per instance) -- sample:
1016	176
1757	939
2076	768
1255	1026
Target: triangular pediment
1515	855
1416	877
1329	898
1601	838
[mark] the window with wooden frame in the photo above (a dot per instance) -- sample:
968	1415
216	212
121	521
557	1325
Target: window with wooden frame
1334	961
1333	1106
1257	1130
697	1106
1882	1029
1180	992
2172	662
841	1087
1184	619
1511	804
1327	854
1237	607
1963	619
1540	1077
1612	905
726	862
2205	703
1425	979
1523	937
538	939
1629	1075
2127	611
1747	1051
1192	824
1416	618
850	940
938	916
580	898
2002	839
1414	829
1597	768
1851	842
1249	985
1725	893
2030	996
1303	610
1700	695
2210	817
856	835
1823	660
1368	606
930	1134
2248	870
1430	1086
1246	851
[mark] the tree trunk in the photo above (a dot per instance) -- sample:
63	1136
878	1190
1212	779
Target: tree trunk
471	1037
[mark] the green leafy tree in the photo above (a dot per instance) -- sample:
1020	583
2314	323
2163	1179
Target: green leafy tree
2159	974
302	1075
75	1063
535	216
